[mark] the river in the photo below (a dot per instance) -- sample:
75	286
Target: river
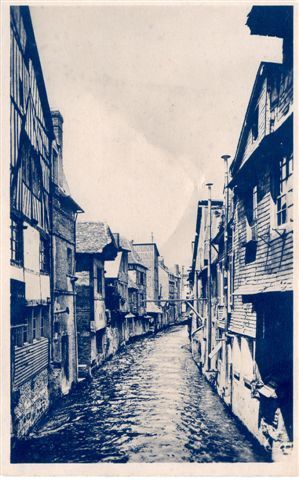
147	404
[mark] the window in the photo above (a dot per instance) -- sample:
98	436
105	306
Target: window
44	255
35	323
142	278
255	124
99	280
251	203
44	320
69	254
25	332
254	204
34	326
231	279
285	195
16	242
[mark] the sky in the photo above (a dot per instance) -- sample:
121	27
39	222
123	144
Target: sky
151	96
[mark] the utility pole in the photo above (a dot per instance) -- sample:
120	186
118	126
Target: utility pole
209	284
226	264
226	206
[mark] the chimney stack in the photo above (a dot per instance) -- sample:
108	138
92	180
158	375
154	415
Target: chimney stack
57	120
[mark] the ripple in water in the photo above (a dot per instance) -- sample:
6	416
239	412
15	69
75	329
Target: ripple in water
147	404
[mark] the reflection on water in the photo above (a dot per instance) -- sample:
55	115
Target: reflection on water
148	404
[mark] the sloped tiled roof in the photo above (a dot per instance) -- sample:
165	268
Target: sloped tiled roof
93	237
134	258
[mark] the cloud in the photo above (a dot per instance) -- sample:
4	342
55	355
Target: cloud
118	176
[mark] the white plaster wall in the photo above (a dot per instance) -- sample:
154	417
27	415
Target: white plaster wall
32	286
247	360
45	287
31	248
17	273
99	314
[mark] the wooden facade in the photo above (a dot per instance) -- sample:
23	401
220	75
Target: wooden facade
261	321
31	126
30	200
251	352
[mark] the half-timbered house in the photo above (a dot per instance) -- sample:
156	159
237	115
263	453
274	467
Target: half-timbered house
30	185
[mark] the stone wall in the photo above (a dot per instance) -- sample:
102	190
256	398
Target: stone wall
29	403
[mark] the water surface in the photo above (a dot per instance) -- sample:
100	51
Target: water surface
147	404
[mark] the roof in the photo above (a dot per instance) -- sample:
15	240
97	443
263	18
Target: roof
134	258
132	284
265	69
93	237
255	289
271	20
66	197
162	265
148	245
153	308
122	242
201	216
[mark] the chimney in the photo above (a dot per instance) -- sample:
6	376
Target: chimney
57	121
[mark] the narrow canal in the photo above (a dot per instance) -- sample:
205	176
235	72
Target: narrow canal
148	404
